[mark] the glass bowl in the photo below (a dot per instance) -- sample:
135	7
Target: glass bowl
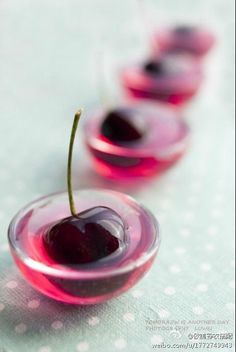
161	147
176	87
83	284
193	40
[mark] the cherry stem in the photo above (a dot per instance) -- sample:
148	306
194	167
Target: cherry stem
69	165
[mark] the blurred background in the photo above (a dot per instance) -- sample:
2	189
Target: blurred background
50	67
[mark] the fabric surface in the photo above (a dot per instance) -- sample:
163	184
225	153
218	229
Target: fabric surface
48	69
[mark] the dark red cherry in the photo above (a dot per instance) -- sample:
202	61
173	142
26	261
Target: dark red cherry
123	126
169	64
156	67
184	30
94	235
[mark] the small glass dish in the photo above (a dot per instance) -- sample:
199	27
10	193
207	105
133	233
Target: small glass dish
194	40
165	141
91	283
177	85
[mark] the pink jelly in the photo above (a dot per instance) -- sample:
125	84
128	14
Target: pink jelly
164	142
176	87
94	282
193	40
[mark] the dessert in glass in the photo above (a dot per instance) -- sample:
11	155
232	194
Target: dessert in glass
135	140
173	78
194	40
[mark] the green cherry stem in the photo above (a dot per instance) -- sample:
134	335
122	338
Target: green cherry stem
69	164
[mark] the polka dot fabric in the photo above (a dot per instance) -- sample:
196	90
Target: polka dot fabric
46	75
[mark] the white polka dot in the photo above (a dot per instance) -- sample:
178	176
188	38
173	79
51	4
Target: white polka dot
120	344
202	288
93	321
175	269
20	328
210	247
170	189
11	199
206	267
185	232
180	250
137	293
219	198
170	291
3	173
156	339
192	200
213	230
216	213
175	334
36	195
82	346
12	284
1	307
221	183
166	204
196	186
161	217
34	304
4	247
230	306
232	284
198	310
57	325
188	216
20	186
129	317
199	173
44	349
173	176
163	313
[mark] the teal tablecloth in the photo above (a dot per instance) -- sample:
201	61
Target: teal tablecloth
47	69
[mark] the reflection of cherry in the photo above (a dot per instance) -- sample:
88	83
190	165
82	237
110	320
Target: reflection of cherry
86	237
119	128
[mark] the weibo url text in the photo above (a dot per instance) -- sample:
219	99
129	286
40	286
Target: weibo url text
192	346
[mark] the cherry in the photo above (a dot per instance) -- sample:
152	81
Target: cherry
94	235
119	127
156	67
184	30
90	236
169	64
